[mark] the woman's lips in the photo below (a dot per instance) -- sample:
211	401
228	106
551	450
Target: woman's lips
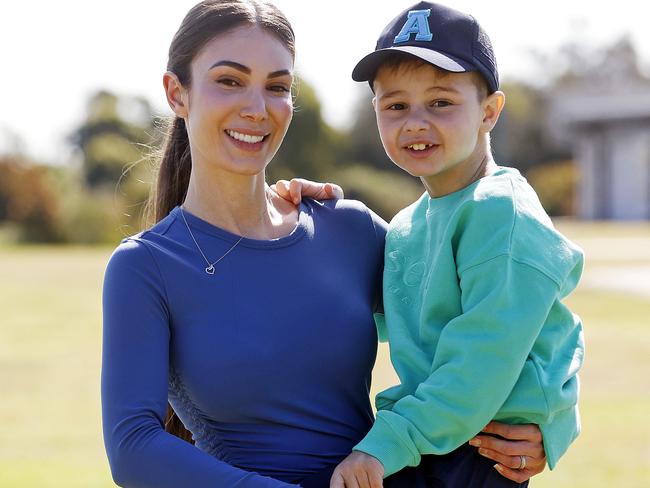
246	141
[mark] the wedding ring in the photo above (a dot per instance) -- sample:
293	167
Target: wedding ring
522	462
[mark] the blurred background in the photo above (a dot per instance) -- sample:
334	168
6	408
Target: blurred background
83	112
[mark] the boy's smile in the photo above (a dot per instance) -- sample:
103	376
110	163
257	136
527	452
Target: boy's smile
433	124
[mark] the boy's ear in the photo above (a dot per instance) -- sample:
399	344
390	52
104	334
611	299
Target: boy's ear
492	106
176	94
374	103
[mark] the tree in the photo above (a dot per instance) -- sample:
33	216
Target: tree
117	131
311	147
27	200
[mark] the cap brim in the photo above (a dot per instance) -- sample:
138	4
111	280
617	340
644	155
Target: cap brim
366	68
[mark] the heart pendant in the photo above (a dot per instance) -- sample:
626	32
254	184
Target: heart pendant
210	270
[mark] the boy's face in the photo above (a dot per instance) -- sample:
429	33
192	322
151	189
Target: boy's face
433	123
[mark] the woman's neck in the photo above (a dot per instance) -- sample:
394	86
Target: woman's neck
241	204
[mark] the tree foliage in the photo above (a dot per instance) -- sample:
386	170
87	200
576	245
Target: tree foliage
102	199
28	201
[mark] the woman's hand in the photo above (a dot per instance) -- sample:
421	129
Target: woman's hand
297	188
522	444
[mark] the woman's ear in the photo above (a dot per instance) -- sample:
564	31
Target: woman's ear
176	94
492	106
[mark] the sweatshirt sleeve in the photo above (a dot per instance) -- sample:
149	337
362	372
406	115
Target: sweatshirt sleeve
134	381
478	359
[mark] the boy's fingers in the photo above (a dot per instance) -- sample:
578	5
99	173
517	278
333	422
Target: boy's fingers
509	448
527	432
516	475
337	481
375	480
281	187
350	481
295	189
334	191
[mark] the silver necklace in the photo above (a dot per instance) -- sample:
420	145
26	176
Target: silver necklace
210	267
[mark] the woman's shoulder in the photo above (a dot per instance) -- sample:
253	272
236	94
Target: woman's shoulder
135	252
352	212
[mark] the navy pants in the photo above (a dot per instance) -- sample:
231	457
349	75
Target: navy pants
462	468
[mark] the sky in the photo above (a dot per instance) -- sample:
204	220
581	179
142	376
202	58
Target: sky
55	54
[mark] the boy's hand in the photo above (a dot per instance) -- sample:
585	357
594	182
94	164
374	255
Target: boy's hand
358	470
297	188
520	440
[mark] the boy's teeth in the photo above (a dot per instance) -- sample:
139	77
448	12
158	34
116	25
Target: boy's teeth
419	147
244	137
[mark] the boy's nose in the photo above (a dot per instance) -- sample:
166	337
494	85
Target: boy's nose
254	107
417	122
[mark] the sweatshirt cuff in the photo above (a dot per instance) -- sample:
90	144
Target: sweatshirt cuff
384	444
558	434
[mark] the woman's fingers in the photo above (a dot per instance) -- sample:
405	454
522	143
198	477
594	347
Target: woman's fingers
512	462
520	440
516	475
509	448
527	432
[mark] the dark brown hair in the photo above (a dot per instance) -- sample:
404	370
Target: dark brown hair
402	61
205	21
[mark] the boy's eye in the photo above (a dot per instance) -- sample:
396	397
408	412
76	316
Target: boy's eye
397	106
440	103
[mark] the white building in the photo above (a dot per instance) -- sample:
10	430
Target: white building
606	119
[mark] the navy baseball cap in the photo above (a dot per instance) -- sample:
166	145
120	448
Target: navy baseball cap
439	35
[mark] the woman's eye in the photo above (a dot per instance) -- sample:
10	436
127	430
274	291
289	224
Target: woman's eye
397	106
279	88
228	82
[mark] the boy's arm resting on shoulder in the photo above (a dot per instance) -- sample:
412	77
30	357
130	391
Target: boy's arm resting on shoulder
478	360
135	360
297	188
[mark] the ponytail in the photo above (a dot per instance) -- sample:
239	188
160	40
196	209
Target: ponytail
173	173
170	190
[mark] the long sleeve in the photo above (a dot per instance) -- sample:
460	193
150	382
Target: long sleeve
478	360
135	362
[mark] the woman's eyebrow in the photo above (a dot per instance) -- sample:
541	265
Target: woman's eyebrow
247	70
232	64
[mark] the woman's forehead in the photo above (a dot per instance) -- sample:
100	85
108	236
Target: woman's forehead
250	46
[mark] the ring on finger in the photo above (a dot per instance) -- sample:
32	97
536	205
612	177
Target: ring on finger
522	462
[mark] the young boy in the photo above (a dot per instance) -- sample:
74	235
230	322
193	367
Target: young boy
474	270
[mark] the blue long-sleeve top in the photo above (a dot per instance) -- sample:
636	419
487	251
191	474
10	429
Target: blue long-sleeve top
267	362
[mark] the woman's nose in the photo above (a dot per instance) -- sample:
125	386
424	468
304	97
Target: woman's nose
254	107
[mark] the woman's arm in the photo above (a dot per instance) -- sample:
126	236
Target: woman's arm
135	360
518	440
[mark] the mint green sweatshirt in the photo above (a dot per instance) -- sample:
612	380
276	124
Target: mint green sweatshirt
472	288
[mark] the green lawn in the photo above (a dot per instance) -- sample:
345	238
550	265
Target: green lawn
50	345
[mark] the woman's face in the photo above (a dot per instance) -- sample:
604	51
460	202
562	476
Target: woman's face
239	104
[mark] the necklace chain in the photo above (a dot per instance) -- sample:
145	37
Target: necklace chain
210	267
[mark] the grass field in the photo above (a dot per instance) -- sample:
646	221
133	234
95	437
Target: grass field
50	344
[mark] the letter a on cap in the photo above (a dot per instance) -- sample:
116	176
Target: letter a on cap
416	23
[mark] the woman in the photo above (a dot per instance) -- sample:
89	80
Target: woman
252	316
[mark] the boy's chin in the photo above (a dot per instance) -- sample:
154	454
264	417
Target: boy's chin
413	171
